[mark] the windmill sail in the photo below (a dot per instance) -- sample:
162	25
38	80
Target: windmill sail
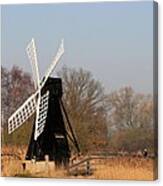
54	63
41	114
22	114
31	51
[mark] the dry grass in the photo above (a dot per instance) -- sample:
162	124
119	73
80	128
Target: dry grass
116	168
125	169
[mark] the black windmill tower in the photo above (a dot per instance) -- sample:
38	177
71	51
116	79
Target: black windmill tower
52	128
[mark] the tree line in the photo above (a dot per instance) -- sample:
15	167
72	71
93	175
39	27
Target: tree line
114	121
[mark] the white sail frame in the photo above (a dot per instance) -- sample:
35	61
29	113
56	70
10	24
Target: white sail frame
36	100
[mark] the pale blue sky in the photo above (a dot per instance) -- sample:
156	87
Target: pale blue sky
112	40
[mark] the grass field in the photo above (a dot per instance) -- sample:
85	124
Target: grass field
130	168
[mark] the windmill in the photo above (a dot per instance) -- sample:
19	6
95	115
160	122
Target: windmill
50	134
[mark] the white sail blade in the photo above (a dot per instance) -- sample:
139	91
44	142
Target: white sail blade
41	114
22	114
53	64
31	51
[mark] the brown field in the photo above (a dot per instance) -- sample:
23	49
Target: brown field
130	168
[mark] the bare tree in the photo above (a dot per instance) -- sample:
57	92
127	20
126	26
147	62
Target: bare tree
145	113
130	110
4	94
131	117
84	100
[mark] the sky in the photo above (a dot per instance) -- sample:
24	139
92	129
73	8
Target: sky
112	40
